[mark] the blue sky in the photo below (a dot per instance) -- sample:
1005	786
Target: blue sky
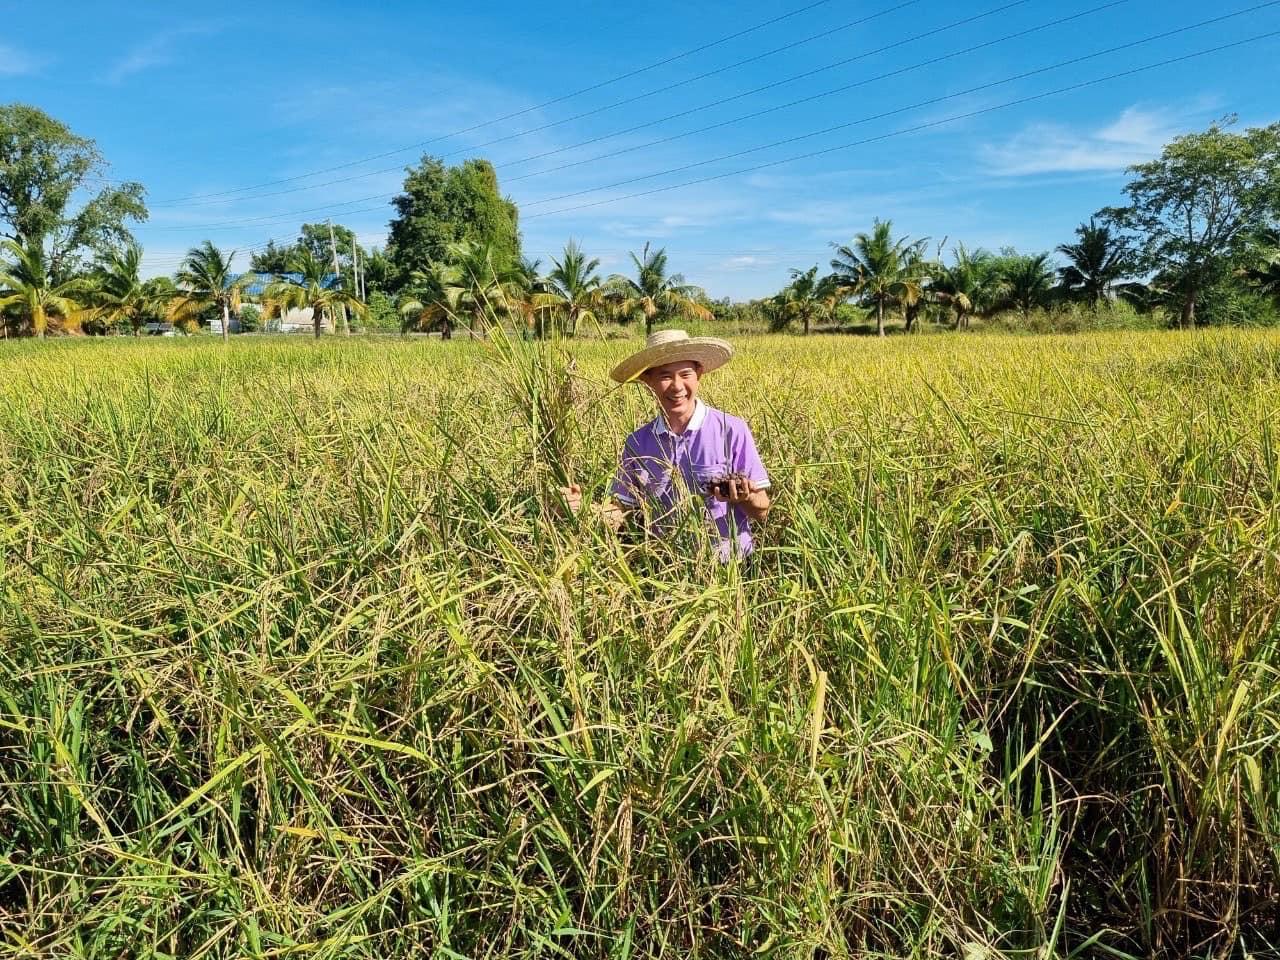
196	105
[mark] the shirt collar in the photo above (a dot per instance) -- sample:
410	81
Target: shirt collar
695	422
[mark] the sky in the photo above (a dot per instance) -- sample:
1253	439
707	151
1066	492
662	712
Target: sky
745	137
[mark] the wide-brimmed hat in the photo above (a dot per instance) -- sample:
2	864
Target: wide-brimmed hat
668	346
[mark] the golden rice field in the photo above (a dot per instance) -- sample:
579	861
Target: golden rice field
298	658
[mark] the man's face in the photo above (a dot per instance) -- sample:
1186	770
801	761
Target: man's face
675	385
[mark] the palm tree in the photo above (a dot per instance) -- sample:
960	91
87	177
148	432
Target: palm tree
572	288
1099	259
1027	281
1264	275
920	272
27	285
524	296
806	298
654	293
314	288
874	268
120	296
205	280
432	299
970	285
487	287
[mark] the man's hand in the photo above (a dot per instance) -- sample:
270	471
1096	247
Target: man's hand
740	491
609	511
572	497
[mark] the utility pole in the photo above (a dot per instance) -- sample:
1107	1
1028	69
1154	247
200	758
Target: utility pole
337	273
355	267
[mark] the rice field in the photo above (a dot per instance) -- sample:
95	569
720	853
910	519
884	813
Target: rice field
298	657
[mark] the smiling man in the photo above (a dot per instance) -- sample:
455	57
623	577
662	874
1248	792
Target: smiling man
690	451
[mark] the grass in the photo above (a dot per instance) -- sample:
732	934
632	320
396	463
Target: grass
297	659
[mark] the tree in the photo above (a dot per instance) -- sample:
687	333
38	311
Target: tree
1263	273
432	300
27	287
443	205
487	287
920	272
874	268
378	273
971	284
653	293
573	288
205	281
119	296
1098	260
43	168
1194	209
807	298
1025	281
315	288
271	258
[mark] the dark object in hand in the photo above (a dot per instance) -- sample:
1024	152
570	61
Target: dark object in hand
720	487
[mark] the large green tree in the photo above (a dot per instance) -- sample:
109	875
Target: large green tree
45	171
443	205
1194	210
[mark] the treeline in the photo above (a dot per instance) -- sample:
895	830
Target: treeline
1196	243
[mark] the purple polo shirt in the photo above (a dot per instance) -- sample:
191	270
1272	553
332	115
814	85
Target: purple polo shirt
664	469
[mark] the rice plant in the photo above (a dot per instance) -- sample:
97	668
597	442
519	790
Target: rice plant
293	662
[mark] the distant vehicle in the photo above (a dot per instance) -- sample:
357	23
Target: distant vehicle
156	329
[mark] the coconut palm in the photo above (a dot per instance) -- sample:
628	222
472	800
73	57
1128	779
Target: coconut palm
524	296
1026	281
205	280
432	299
807	298
573	290
313	288
27	287
969	285
488	288
1098	260
119	296
1264	274
919	272
874	268
653	293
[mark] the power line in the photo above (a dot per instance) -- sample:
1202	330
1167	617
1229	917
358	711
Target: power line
281	217
918	127
965	21
932	101
558	99
844	88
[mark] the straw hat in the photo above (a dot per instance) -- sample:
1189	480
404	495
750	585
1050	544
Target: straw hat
668	346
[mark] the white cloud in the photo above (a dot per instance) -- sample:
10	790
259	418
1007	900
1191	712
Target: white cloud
1133	137
158	51
15	62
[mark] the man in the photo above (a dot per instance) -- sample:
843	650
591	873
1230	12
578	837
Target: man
690	449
